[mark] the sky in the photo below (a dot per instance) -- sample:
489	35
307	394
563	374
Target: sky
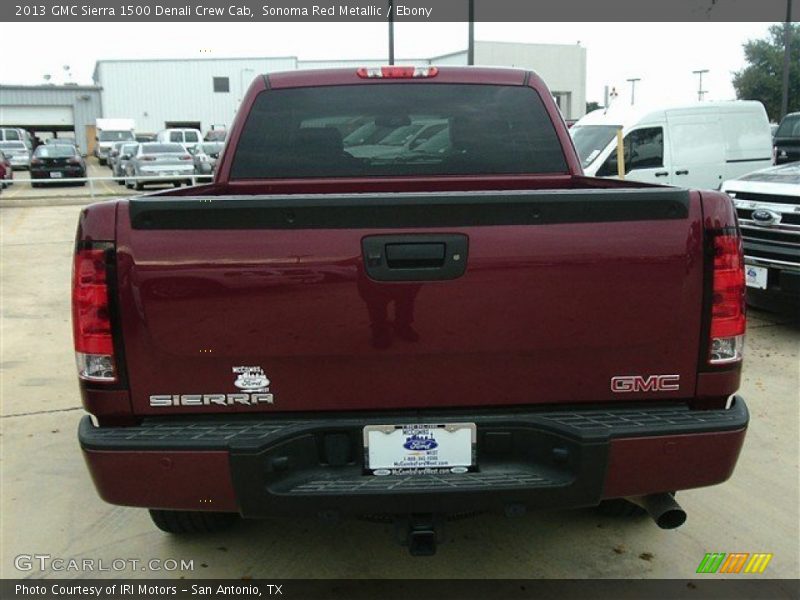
662	55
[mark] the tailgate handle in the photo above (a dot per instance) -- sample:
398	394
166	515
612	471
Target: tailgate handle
415	257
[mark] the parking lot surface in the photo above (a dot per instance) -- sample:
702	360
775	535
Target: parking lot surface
49	505
22	194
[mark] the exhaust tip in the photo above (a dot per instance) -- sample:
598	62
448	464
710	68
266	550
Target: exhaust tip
671	519
662	508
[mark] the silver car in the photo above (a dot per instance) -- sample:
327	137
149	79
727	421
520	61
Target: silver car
17	154
126	152
158	163
205	157
113	154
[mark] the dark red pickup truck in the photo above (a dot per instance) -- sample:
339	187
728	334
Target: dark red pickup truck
401	297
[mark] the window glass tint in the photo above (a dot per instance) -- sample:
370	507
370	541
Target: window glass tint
191	136
222	84
12	134
115	136
162	149
790	127
12	145
591	140
644	149
382	129
129	149
176	136
212	148
55	151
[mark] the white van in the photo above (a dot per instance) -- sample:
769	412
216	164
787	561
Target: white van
694	146
188	137
15	134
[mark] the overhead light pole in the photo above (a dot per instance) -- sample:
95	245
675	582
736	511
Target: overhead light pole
471	34
633	81
391	33
787	42
700	91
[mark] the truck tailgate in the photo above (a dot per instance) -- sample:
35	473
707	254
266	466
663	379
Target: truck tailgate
562	291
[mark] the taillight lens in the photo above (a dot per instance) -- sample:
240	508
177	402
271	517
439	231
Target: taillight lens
147	158
91	320
185	157
35	162
727	300
74	161
396	72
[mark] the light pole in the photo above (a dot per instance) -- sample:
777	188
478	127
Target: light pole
391	33
787	37
471	34
700	91
633	81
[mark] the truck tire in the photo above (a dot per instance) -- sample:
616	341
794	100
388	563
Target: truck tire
186	521
139	186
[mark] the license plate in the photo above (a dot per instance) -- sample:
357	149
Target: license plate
755	277
55	174
401	449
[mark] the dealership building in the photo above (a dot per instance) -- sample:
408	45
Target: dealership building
52	111
206	92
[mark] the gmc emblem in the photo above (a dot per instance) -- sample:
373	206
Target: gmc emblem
649	383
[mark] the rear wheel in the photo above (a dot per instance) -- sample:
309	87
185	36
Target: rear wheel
139	186
185	521
177	184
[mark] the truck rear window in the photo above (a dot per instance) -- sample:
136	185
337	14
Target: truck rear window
391	130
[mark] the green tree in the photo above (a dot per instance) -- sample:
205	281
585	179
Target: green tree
762	78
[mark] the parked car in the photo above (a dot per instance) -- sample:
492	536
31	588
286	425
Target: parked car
18	154
250	383
171	163
110	131
127	151
699	145
113	154
55	162
6	171
189	138
205	157
768	205
215	135
787	140
141	138
57	140
400	141
16	134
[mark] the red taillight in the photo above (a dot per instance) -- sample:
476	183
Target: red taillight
185	157
35	162
727	300
396	72
147	158
74	161
91	320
